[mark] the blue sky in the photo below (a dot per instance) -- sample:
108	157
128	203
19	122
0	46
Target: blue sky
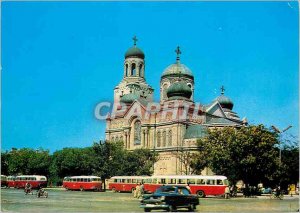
59	59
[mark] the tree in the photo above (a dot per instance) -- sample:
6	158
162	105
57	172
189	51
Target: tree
139	162
72	161
29	161
246	153
111	159
4	162
289	166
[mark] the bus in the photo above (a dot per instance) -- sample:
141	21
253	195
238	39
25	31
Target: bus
35	181
3	180
11	181
198	184
125	183
82	183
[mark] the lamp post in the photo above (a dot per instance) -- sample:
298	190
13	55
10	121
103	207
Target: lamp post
280	132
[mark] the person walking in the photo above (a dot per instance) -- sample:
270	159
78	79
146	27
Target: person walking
136	191
227	192
141	192
188	187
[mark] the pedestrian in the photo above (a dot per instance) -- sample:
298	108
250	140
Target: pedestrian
136	191
227	192
141	191
188	187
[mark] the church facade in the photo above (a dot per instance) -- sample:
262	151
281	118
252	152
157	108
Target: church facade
172	126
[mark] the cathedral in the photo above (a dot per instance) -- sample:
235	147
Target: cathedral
170	127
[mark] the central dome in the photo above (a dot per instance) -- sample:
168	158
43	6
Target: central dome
225	102
179	90
177	69
134	52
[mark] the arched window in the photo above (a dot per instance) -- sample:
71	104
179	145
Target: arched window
165	87
126	69
170	138
158	139
137	133
164	139
140	69
121	138
133	70
113	139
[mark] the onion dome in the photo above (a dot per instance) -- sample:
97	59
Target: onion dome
224	101
129	98
179	90
177	69
134	51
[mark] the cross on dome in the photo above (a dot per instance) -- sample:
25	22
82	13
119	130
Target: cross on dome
222	90
178	52
134	40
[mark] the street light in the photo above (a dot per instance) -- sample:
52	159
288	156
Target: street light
280	132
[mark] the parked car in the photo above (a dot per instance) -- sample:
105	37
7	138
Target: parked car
170	198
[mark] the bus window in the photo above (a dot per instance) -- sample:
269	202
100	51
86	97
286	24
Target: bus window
191	181
148	181
181	181
200	182
225	182
210	182
85	180
163	181
133	180
171	181
219	182
154	180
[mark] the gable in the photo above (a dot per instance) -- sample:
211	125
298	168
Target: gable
216	110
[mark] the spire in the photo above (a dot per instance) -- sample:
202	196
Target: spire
134	40
178	52
222	90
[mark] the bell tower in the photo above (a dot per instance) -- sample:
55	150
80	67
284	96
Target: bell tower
133	81
134	64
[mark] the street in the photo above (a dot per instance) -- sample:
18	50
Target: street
60	200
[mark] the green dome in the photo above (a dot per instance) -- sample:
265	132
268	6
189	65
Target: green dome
134	52
176	69
129	98
225	102
179	90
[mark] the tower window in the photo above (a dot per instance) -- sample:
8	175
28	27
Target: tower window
126	69
137	133
133	70
158	139
170	138
140	69
164	140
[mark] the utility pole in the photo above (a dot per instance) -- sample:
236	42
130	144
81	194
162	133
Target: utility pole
280	133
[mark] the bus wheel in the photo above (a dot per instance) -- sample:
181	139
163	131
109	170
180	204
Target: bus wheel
81	188
114	190
201	194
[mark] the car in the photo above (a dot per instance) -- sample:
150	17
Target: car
170	198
